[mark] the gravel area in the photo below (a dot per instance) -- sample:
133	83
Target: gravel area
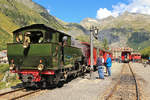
125	90
12	88
143	78
81	88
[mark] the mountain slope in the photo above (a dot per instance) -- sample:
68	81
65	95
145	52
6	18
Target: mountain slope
6	28
18	13
128	29
14	14
23	15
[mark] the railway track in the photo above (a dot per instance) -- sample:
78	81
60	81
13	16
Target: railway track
17	94
126	87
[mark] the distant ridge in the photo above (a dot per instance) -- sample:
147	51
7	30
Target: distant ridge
128	29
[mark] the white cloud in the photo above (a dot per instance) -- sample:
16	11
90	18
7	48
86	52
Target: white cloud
134	6
48	10
103	13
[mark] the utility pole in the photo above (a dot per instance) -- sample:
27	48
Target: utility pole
93	33
91	49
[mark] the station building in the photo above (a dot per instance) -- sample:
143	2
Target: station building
116	52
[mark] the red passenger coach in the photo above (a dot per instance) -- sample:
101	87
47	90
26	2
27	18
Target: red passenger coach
95	55
96	52
136	57
86	51
105	55
126	56
101	52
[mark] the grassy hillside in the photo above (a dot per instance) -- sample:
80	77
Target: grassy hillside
145	52
18	13
14	14
22	15
6	28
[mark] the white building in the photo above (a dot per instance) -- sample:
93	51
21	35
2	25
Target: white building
3	56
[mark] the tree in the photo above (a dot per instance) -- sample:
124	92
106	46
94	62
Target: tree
105	44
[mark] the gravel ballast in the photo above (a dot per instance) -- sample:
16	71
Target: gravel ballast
81	88
143	78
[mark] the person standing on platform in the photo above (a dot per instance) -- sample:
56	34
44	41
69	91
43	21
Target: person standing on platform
149	59
108	64
100	64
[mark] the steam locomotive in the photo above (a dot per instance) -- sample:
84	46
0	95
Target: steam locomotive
43	56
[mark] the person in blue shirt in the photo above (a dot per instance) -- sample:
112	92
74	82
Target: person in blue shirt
108	64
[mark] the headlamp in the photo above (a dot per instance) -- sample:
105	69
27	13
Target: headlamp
40	67
12	66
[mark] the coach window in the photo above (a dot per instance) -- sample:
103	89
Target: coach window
33	37
19	37
69	41
63	39
27	37
48	36
60	38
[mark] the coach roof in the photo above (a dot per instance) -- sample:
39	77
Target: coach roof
38	26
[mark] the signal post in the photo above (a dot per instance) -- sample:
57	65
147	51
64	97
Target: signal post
93	34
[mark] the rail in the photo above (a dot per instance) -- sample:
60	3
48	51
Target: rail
114	89
1	94
14	97
137	90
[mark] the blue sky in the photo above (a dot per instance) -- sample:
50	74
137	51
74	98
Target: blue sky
77	10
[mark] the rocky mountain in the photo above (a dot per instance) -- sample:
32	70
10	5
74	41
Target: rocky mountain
88	22
128	29
18	13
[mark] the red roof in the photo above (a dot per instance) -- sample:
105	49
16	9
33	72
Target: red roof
85	43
